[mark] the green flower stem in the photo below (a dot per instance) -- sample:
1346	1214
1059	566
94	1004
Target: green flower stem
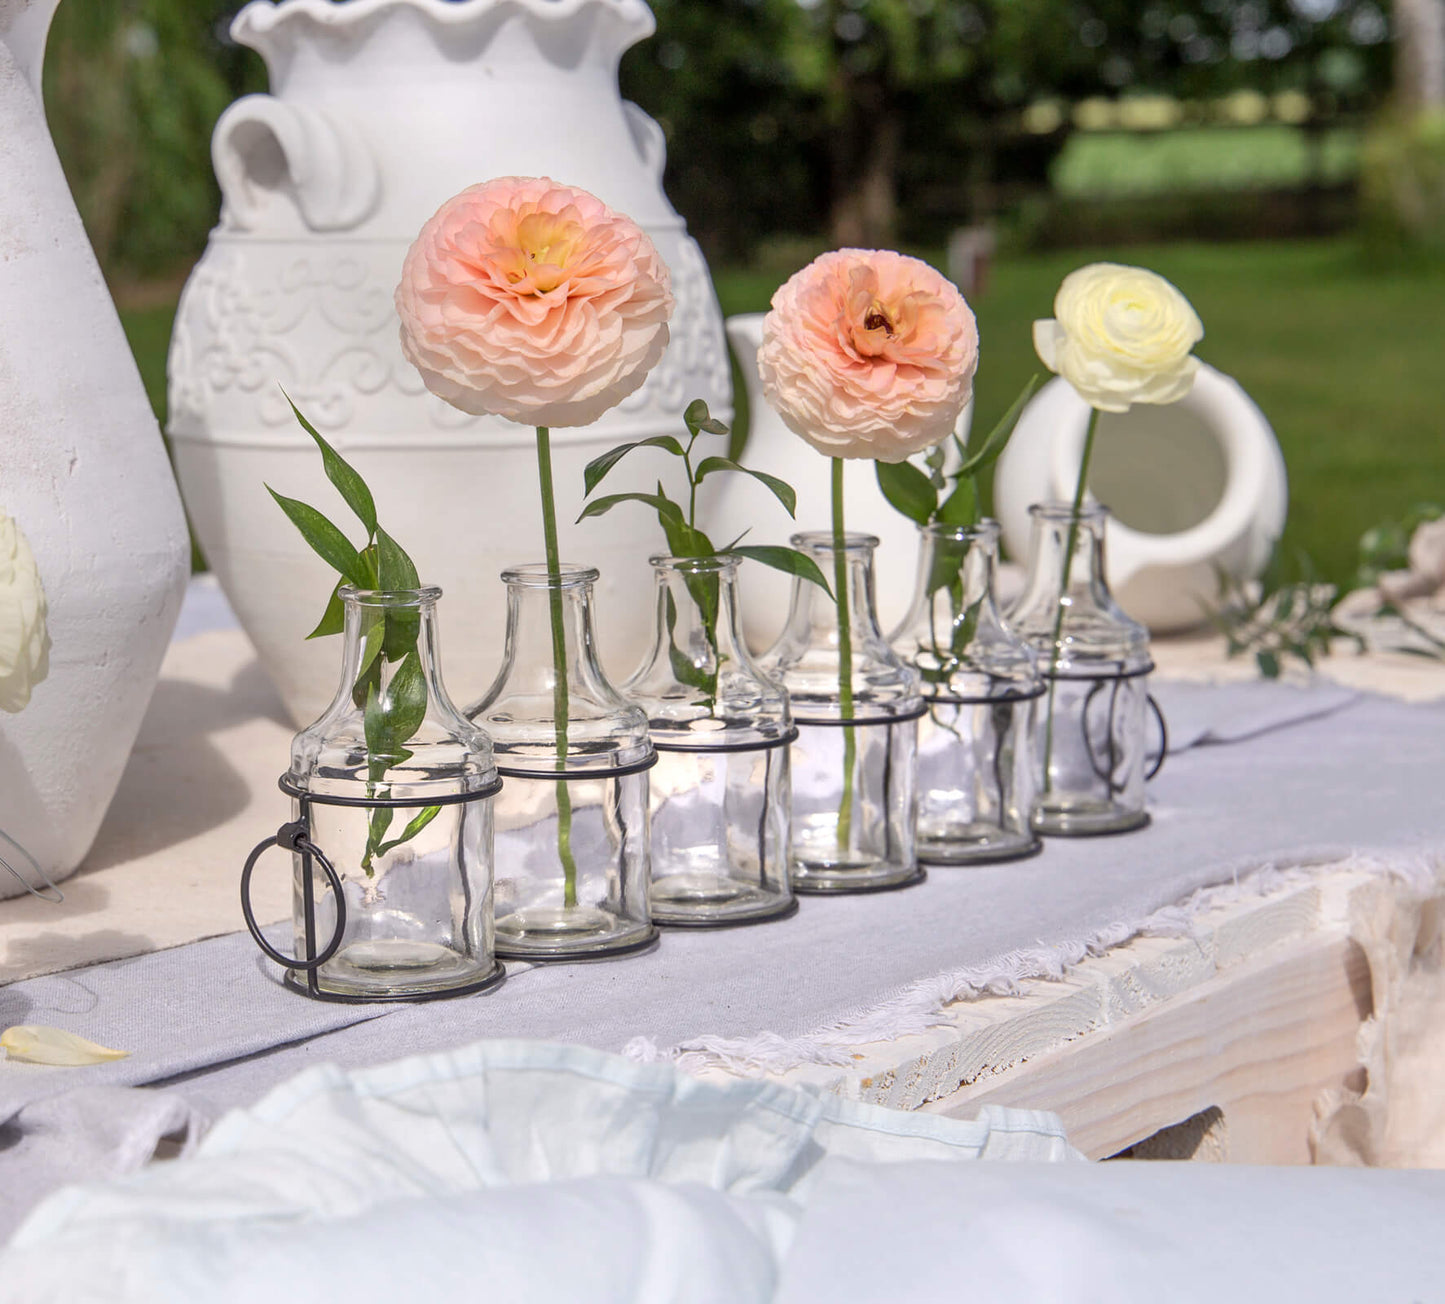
1071	544
845	660
559	665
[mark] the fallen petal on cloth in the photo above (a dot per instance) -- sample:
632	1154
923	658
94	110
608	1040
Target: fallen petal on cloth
548	1172
33	1044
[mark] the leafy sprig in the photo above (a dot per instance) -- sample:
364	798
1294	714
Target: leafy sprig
950	498
684	537
393	710
1288	613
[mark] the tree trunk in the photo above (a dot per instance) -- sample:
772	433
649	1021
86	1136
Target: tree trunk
866	148
1420	54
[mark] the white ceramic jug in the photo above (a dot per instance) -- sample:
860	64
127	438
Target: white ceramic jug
83	472
1194	487
380	110
744	505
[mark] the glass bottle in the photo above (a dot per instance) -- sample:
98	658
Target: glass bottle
1090	739
721	729
406	831
572	832
854	763
980	685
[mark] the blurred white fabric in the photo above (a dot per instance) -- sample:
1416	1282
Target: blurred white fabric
517	1170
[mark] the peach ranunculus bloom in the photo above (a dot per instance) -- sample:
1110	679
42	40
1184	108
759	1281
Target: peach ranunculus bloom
869	353
533	301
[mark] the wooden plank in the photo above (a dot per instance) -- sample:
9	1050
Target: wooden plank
1259	1043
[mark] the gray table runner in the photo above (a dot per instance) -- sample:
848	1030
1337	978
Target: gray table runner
1331	774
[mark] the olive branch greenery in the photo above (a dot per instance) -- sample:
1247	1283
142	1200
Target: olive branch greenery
393	709
686	540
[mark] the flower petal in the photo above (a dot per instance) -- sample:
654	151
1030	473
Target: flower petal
34	1044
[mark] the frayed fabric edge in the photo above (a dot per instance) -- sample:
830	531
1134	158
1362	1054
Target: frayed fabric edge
921	1005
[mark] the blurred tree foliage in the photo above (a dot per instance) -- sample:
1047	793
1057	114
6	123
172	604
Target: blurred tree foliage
803	115
867	119
132	90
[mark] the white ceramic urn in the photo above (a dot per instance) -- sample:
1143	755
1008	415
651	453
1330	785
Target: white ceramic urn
83	472
742	505
1194	488
380	111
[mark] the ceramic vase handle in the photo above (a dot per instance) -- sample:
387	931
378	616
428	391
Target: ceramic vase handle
264	150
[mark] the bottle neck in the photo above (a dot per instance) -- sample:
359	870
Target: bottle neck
1066	556
813	616
383	632
529	657
697	613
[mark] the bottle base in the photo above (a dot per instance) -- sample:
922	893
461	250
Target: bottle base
838	878
702	900
976	844
1086	819
396	970
569	933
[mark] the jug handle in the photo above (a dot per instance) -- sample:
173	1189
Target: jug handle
263	147
648	137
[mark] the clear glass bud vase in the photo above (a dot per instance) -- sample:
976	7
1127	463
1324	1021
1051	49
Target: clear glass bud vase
572	831
1091	738
856	705
980	685
720	791
392	801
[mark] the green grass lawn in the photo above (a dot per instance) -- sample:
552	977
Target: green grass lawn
1347	362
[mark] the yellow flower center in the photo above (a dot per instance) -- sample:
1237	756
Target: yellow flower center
547	243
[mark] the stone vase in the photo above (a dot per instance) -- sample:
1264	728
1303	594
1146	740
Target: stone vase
83	472
379	111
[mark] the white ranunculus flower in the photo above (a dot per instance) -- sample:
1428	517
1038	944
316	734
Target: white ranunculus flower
1120	335
24	640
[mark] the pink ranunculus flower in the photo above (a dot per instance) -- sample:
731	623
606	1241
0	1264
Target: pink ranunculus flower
869	353
533	301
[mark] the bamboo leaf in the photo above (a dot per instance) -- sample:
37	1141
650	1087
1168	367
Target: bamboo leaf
662	504
417	824
699	420
788	560
907	490
998	437
333	619
328	542
342	474
600	466
782	490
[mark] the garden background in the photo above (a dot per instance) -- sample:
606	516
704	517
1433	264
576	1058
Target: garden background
1282	161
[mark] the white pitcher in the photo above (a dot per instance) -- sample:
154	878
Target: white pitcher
380	110
1195	487
744	505
83	472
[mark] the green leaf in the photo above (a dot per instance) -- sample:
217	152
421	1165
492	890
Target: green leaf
407	698
663	505
1268	664
999	436
684	540
789	560
333	619
333	547
908	490
600	466
342	474
395	570
699	419
782	490
369	676
417	824
961	506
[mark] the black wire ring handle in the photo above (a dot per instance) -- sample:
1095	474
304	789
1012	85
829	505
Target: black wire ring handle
293	837
1163	738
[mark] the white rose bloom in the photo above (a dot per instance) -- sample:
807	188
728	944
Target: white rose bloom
1120	336
24	640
